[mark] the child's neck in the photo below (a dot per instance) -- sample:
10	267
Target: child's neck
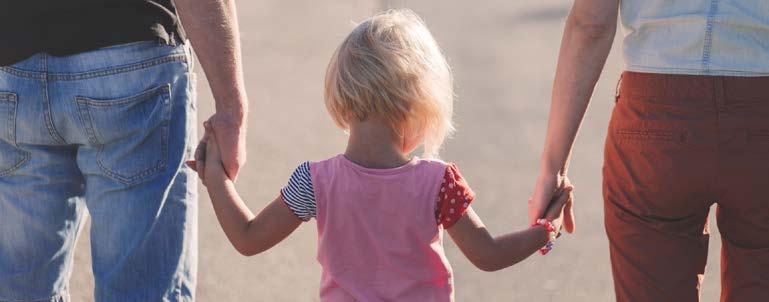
374	145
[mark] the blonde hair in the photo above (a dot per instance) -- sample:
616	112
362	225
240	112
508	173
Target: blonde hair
391	67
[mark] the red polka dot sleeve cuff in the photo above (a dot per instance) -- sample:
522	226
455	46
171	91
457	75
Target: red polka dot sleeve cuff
454	198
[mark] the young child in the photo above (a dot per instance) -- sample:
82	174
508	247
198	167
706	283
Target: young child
381	213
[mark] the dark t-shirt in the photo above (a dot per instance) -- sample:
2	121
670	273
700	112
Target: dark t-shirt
63	27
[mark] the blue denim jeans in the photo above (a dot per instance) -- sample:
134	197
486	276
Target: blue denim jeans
104	132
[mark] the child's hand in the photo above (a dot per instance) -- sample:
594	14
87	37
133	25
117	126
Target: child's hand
198	163
213	160
208	158
561	199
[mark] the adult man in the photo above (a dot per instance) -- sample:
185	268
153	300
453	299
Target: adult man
97	111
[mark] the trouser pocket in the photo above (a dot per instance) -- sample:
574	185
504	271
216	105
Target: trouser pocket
131	133
11	158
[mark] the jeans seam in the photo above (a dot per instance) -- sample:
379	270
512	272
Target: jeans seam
11	97
55	298
87	122
136	98
47	108
92	74
121	69
708	43
23	73
17	166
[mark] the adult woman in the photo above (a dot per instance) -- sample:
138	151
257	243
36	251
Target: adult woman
690	128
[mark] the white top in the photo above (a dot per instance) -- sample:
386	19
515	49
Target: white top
698	37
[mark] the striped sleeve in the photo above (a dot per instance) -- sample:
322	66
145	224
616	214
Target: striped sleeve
298	193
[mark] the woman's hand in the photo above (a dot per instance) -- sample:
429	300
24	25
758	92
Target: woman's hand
550	187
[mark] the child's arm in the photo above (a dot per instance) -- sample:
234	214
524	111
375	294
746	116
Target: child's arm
248	234
490	253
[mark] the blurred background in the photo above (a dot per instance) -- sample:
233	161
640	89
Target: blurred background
503	54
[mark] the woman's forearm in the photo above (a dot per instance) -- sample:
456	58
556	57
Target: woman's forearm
584	49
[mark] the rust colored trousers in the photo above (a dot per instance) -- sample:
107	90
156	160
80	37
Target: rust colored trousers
677	144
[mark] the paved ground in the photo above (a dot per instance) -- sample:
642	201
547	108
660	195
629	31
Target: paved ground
503	54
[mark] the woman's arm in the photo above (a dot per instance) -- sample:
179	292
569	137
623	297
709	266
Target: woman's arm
587	39
249	234
490	253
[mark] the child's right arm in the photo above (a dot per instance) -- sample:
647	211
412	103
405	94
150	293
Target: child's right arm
249	234
490	253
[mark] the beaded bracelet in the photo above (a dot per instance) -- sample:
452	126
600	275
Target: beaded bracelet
552	234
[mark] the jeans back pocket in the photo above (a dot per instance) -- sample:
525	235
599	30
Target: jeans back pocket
131	133
11	158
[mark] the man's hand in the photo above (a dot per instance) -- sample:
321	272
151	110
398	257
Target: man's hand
230	132
212	27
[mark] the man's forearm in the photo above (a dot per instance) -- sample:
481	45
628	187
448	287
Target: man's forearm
212	26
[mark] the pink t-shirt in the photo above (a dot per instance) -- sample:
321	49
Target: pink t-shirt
380	230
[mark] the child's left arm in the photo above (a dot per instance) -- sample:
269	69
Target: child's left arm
249	234
491	253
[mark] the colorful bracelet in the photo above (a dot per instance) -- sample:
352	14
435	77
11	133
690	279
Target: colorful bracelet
552	234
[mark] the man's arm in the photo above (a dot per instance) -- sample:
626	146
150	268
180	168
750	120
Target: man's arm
212	27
